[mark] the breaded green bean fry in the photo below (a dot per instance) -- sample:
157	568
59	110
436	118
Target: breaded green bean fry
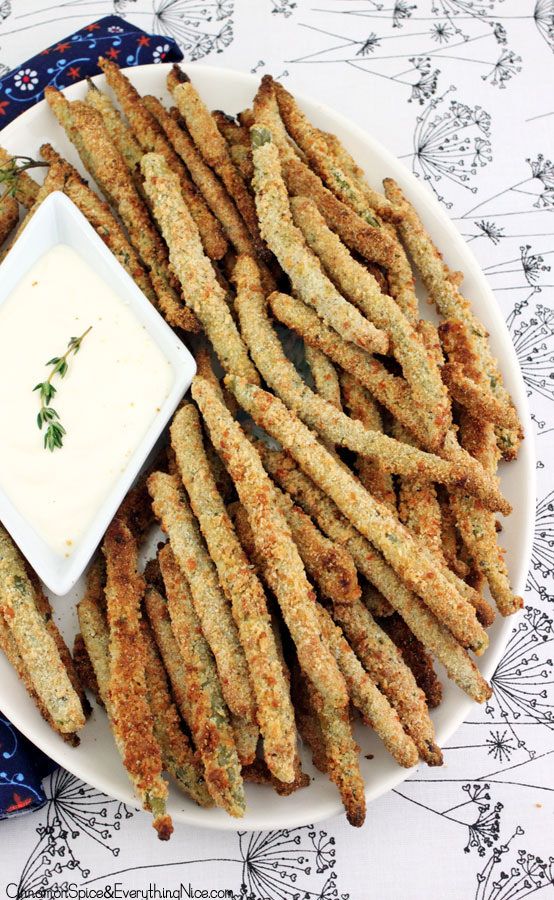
426	627
324	374
444	293
10	649
341	752
34	642
389	390
383	662
416	658
152	140
300	264
132	719
171	507
54	181
238	141
359	286
177	756
192	267
376	710
103	221
243	591
371	243
209	722
155	605
213	148
120	133
364	202
361	405
9	216
329	565
26	188
369	517
267	352
273	541
86	130
214	193
477	526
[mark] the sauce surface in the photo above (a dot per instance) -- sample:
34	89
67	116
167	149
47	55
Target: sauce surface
113	389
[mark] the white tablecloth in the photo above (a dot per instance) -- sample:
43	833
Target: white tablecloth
462	91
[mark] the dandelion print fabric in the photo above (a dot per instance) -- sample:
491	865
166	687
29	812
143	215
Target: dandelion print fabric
461	90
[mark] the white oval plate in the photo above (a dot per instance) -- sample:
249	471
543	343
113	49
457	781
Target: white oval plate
96	760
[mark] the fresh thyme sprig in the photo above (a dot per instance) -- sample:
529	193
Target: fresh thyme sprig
53	436
10	172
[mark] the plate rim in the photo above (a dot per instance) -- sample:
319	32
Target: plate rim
426	204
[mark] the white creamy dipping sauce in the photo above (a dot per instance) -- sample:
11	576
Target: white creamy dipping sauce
113	389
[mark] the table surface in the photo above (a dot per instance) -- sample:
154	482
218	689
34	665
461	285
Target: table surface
461	90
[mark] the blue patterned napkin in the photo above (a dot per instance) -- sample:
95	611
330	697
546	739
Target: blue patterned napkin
75	57
23	766
22	769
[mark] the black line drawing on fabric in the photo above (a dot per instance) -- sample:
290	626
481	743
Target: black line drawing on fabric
522	682
190	23
275	865
533	339
449	32
533	192
533	584
484	830
73	810
542	558
451	142
502	879
274	862
283	7
543	15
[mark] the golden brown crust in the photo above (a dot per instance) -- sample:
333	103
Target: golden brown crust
130	710
369	517
178	757
363	200
415	656
477	525
9	647
434	636
273	541
443	292
367	697
258	773
324	374
359	286
383	662
152	140
361	405
26	188
9	216
212	608
208	714
44	609
192	267
213	148
86	130
243	591
36	642
296	259
213	191
85	669
336	744
394	394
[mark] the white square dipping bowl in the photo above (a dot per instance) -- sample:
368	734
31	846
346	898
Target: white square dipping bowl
59	221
